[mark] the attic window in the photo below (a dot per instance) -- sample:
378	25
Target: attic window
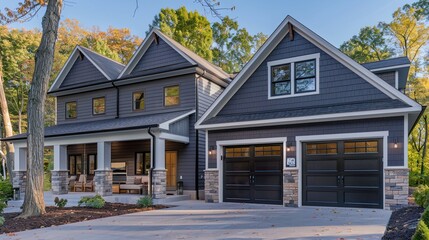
296	76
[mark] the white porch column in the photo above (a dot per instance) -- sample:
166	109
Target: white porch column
20	169
60	172
159	178
103	175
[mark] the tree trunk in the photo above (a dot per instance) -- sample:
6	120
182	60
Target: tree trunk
19	122
34	204
7	124
422	169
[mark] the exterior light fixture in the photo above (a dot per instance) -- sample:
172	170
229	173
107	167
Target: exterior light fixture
395	145
212	150
288	147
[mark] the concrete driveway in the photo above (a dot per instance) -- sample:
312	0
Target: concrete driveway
199	220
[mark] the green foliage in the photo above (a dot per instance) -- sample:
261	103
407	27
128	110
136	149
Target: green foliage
421	196
425	216
422	232
368	46
145	202
60	202
189	28
1	220
6	190
93	202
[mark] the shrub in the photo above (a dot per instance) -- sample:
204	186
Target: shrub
421	196
2	207
422	231
60	202
1	220
6	190
93	202
145	202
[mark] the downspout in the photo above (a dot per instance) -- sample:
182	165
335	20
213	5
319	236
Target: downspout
117	99
153	161
197	148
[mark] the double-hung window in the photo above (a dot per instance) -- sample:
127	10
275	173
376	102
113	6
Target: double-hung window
294	76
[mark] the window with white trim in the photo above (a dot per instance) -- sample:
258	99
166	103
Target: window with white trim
294	76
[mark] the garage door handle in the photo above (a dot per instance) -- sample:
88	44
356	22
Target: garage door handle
339	180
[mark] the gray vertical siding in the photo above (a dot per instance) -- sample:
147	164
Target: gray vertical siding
84	106
338	84
82	71
395	126
159	55
389	77
154	95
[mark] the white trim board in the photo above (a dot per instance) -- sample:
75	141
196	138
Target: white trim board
342	136
219	150
312	37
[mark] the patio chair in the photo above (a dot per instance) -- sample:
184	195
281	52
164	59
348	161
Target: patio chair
80	184
70	182
89	184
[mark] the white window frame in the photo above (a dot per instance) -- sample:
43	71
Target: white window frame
292	62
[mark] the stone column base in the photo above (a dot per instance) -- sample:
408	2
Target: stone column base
59	181
159	184
211	185
396	188
103	180
20	181
290	187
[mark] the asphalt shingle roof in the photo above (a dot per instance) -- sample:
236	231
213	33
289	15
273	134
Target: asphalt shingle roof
135	122
387	63
110	67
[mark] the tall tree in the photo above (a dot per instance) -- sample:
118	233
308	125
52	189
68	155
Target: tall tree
368	46
189	28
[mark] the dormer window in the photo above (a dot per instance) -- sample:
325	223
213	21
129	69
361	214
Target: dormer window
293	76
98	106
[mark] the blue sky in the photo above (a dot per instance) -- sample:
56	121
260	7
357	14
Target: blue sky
334	20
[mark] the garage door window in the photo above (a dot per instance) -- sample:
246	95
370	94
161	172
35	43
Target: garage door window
237	152
322	148
268	151
361	147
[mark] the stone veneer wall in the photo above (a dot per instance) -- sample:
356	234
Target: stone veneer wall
159	183
211	185
20	181
59	182
396	188
103	180
290	187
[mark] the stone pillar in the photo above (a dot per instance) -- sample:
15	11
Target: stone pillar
211	185
20	181
59	181
60	173
103	182
20	170
159	184
396	188
290	187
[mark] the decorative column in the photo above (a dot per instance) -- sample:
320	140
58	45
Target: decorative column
103	178
20	170
211	185
290	187
60	172
159	177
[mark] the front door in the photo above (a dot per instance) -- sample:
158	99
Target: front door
171	167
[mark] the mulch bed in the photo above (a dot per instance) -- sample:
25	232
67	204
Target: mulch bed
59	216
402	223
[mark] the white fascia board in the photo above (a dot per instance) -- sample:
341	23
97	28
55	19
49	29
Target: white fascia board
310	119
269	45
390	68
65	70
166	125
173	137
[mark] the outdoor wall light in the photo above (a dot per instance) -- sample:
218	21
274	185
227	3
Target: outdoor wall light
395	145
288	147
212	150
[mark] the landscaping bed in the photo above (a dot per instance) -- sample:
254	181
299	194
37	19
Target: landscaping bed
402	223
59	216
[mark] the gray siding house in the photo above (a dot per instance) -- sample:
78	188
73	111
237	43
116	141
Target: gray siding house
116	121
303	124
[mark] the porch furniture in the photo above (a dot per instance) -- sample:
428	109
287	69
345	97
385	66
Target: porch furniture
71	181
89	184
139	183
80	184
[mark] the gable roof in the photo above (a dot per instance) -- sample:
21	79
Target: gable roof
392	63
109	68
274	39
189	55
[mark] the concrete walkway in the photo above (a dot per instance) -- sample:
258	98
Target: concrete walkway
199	220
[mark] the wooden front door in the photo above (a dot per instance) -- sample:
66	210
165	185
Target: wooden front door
171	166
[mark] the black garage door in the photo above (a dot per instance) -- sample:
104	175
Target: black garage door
253	174
343	173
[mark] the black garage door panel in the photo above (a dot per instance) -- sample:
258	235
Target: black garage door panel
253	176
343	173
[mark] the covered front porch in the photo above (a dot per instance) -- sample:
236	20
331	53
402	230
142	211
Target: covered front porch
144	159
